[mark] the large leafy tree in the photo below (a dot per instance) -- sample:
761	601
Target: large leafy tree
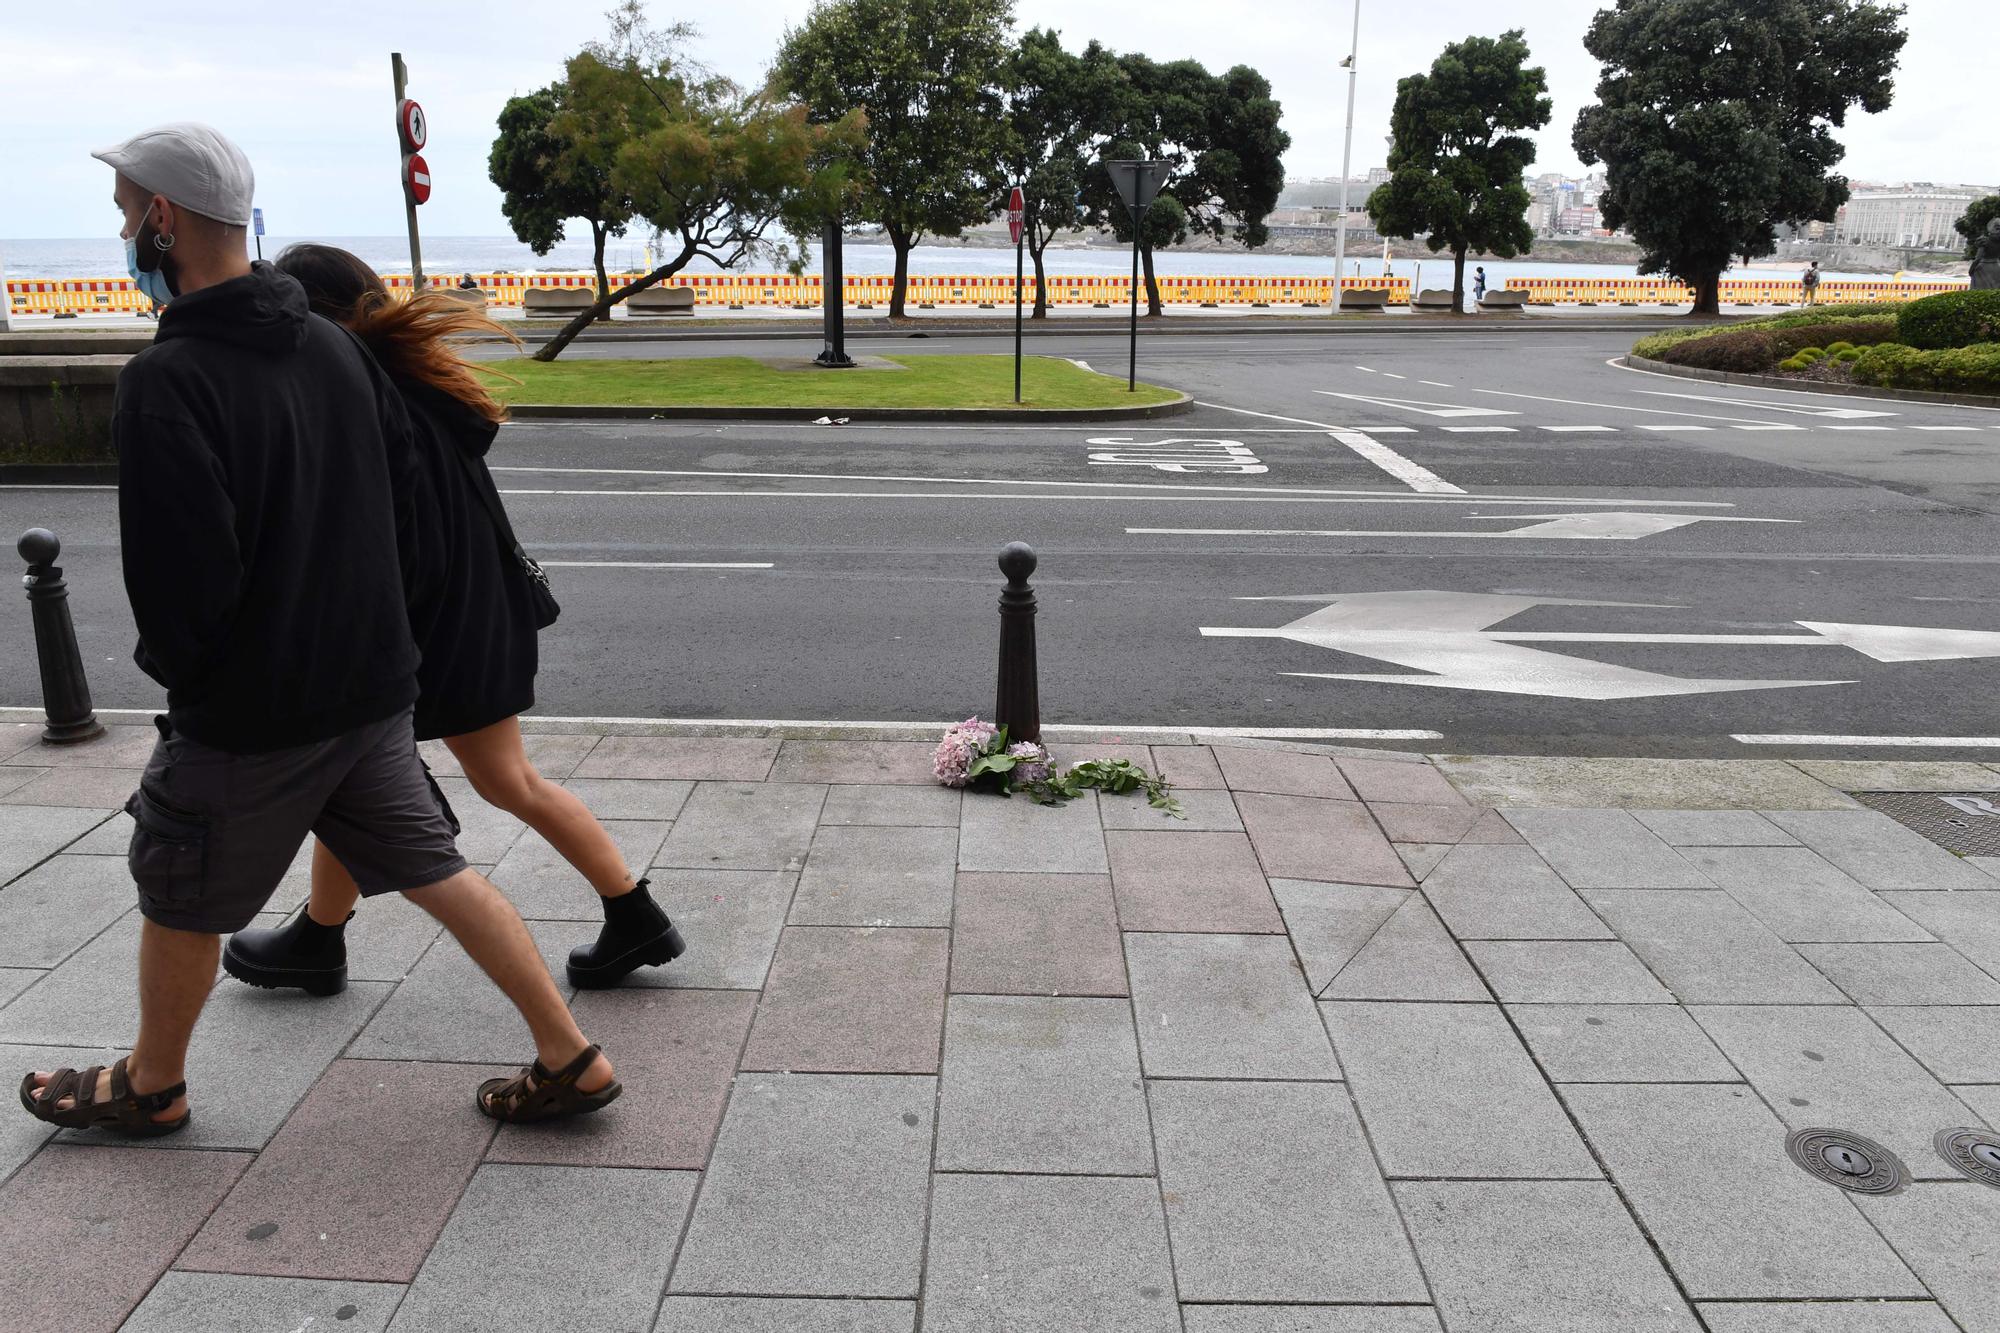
548	178
1715	121
1219	135
926	76
1972	226
1056	102
1457	157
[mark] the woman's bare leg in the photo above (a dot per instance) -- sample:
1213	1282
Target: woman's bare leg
497	764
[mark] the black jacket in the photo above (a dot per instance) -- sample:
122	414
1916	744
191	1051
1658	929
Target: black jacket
267	496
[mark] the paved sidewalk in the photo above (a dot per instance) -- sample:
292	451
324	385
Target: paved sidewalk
1366	1045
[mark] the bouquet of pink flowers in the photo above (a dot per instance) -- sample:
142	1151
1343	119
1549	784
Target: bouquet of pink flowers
974	752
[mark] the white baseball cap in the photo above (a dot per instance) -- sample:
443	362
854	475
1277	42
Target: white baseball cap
191	164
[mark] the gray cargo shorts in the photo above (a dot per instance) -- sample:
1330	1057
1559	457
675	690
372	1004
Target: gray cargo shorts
215	832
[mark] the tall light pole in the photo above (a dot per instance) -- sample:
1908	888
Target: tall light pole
1346	158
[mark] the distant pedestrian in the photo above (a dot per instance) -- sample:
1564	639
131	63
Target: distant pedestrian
1478	285
466	282
268	506
477	634
1811	283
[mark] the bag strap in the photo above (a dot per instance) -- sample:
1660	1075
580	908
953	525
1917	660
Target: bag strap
482	486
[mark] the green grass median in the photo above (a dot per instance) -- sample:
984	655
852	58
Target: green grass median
940	381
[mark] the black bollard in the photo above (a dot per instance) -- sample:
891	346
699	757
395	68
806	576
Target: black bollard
1017	703
65	692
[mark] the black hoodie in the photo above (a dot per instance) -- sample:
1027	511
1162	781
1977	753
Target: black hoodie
267	495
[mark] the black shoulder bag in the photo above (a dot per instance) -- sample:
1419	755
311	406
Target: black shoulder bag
540	594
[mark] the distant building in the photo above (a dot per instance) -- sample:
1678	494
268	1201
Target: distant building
1577	220
1909	217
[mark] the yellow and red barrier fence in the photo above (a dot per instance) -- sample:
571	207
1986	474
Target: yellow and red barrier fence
1734	291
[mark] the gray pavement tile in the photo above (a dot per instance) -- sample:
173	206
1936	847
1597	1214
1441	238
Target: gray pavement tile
21	1136
1704	1167
1827	1317
1447	1090
1958	1044
1898	774
731	920
1902	973
123	745
229	1303
1190	882
1566	971
1604	849
1224	1006
1714	828
631	798
1539	1255
1281	773
1398	780
87	1230
100	789
485	832
1068	754
743	826
1201	812
1653	784
1412	957
840	999
1425	823
888	804
1946	1232
359	1181
1300	837
906	762
1272	1195
1801	897
1968	922
1983	1098
30	834
385	939
1047	1254
1329	923
1708	950
1990	864
91	1000
545	887
446	1009
113	837
55	909
1494	830
877	877
1507	893
555	755
17	739
816	1188
1041	1084
1881	853
1001	834
1422	857
675	1052
1189	767
750	1314
13	779
14	980
1036	935
498	1259
1620	1043
1824	1066
704	758
1309	1319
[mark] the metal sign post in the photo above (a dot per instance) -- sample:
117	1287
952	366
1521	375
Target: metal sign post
411	131
1138	185
1017	214
257	226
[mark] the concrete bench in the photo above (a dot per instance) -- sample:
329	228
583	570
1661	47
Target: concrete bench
661	301
557	301
1434	299
472	296
1364	298
1504	300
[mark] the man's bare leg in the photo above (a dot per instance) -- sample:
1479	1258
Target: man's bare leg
488	928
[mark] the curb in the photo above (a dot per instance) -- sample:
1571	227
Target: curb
801	415
1840	390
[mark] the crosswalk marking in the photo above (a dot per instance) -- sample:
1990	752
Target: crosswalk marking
1479	430
1674	429
1857	427
1584	430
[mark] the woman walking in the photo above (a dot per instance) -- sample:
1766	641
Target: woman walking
476	621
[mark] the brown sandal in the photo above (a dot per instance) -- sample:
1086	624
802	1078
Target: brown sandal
536	1093
127	1112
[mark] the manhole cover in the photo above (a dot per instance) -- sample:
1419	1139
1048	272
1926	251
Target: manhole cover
1847	1160
1966	822
1975	1152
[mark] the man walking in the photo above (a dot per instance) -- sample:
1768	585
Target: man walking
271	520
1811	283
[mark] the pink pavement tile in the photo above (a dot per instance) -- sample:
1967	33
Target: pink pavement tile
675	1052
1281	772
1190	882
903	762
1189	766
1402	780
703	758
852	1000
359	1182
1020	934
86	1230
1424	823
1336	842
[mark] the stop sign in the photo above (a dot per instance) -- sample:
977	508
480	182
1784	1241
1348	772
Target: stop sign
417	177
1017	212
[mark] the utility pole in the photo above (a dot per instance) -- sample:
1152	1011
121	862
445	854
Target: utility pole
1346	161
400	75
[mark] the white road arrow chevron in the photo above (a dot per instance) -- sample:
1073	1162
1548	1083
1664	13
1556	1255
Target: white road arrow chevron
1603	527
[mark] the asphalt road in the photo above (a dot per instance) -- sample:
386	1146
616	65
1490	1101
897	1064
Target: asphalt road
1436	505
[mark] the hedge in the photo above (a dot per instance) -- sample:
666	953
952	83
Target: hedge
1855	322
1854	332
1950	319
1744	351
1953	370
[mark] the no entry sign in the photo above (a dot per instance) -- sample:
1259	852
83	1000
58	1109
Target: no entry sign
1017	213
417	178
410	123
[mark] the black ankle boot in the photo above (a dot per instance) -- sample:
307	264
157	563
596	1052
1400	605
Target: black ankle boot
300	955
636	934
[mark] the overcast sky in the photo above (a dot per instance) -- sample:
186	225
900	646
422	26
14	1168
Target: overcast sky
305	88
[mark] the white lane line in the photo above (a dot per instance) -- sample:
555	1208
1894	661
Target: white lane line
1957	428
1583	430
1771	404
1479	430
1568	527
1414	475
1455	497
1899	742
1768	425
1857	428
1394	376
1365	369
1386	430
649	564
1435	384
1752	424
1673	429
1421	405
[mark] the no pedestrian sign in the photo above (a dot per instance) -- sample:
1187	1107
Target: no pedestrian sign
417	178
1017	212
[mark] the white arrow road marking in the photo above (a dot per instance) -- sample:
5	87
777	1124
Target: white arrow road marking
1743	423
1909	643
1850	742
1802	409
1424	406
1414	475
1574	527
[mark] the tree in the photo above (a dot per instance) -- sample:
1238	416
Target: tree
1715	121
1455	161
1219	135
547	178
1055	103
710	168
1973	225
925	74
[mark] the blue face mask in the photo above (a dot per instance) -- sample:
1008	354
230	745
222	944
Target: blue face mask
154	284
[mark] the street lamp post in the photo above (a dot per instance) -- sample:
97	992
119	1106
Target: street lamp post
1346	159
1138	184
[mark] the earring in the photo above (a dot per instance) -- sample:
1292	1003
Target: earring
163	242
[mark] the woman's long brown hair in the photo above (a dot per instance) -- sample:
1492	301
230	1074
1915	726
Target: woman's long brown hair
411	339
